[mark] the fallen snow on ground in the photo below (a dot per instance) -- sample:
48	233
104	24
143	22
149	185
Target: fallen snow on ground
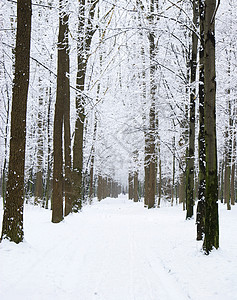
117	250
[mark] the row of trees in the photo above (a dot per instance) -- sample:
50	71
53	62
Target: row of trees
132	84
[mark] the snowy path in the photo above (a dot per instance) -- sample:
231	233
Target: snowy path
113	250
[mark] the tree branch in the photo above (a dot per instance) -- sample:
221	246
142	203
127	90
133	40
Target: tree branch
214	14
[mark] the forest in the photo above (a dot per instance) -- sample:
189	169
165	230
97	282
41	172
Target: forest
131	101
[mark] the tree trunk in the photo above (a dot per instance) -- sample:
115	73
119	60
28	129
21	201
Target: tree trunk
60	106
12	226
100	188
83	47
201	138
173	172
233	171
191	148
182	190
150	173
228	152
130	186
227	172
135	186
49	156
211	197
160	180
222	181
67	127
40	144
78	139
91	191
146	169
4	170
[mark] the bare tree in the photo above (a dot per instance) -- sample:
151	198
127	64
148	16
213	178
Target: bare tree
61	118
190	158
201	136
12	227
83	46
211	228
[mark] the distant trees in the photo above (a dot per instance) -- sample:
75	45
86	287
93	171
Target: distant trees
107	187
12	227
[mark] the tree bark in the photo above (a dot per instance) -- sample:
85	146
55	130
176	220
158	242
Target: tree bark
83	47
135	186
12	226
173	172
49	155
227	171
160	180
130	186
40	143
191	148
211	239
150	171
62	95
100	188
201	138
233	170
67	128
91	191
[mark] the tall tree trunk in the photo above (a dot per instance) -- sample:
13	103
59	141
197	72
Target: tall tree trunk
146	169
67	132
61	98
49	156
191	148
211	239
227	171
228	151
233	170
221	188
12	226
40	145
4	170
83	47
182	190
160	178
184	137
78	140
173	172
183	141
201	137
91	191
150	173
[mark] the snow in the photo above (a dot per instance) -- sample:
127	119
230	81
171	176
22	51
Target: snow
117	250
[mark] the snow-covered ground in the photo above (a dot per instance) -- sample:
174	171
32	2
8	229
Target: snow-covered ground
117	250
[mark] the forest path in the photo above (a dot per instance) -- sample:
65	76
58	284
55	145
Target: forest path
103	253
114	250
